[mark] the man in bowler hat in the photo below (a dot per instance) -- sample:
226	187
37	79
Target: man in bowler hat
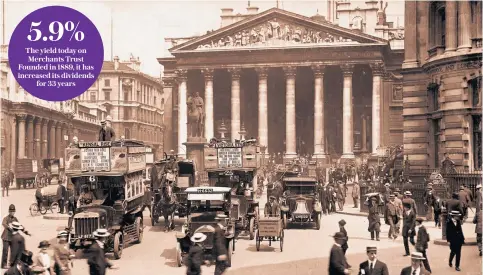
372	266
455	237
409	224
337	262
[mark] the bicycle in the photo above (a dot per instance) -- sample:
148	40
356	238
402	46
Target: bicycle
47	204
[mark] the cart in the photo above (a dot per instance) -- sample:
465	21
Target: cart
49	202
270	229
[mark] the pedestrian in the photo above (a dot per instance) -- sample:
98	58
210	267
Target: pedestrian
454	204
374	219
96	258
324	198
416	267
5	183
437	207
340	195
106	133
61	197
147	200
337	262
11	176
392	217
332	199
372	266
42	260
399	209
7	234
356	190
17	245
429	202
455	237
478	195
342	230
22	267
408	199
409	224
195	257
464	198
469	192
219	246
422	240
62	255
477	220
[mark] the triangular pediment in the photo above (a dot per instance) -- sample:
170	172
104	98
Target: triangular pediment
276	28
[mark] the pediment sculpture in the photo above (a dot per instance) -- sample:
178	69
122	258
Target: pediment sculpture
274	33
397	34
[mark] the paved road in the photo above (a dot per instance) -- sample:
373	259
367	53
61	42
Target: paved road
305	249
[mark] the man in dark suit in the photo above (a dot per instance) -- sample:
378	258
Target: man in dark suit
61	196
409	223
372	266
17	245
106	133
96	258
391	216
194	260
374	219
422	241
7	234
23	265
464	198
416	265
478	219
429	202
455	237
324	201
454	204
437	207
337	262
219	246
342	230
408	199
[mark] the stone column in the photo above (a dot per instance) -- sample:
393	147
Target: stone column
209	109
262	107
464	25
58	140
182	77
364	134
52	140
347	114
235	103
319	125
38	138
13	143
21	136
65	142
410	34
377	73
44	138
30	137
451	26
290	121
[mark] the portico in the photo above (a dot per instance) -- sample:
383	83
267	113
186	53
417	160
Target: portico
300	85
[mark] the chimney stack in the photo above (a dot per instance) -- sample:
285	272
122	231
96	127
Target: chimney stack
252	10
116	62
226	12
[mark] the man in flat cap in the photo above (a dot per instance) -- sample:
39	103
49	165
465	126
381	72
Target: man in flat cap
408	199
392	217
455	238
422	240
416	267
106	133
272	208
372	266
337	261
409	224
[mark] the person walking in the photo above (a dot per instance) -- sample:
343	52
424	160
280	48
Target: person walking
147	199
372	266
342	230
477	220
22	266
409	224
7	234
399	209
416	267
455	237
61	197
219	246
464	198
374	219
356	189
324	198
429	202
5	183
408	199
437	207
17	245
422	240
62	255
392	217
337	261
42	260
96	258
194	260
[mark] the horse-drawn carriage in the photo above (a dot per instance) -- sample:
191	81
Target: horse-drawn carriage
203	204
169	179
112	192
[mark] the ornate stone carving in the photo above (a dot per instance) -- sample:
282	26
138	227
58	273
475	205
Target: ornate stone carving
274	33
21	117
181	74
397	92
448	166
347	69
235	73
396	34
318	70
262	72
290	71
208	73
377	68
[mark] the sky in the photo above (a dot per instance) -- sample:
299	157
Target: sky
140	27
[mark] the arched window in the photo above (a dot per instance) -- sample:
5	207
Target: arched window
357	23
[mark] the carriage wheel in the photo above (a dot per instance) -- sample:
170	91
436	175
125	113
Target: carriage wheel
179	257
318	218
54	207
281	241
230	251
34	209
139	229
252	228
42	209
285	220
258	241
118	245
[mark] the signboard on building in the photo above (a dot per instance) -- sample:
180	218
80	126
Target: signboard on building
230	157
95	159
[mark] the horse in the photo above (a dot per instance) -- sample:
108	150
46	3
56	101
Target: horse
168	206
195	121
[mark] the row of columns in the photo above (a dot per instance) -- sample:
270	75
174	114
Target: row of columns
34	141
290	127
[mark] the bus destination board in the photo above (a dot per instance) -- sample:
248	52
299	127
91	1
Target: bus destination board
229	157
95	159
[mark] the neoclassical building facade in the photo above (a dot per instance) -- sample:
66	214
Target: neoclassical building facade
442	83
300	85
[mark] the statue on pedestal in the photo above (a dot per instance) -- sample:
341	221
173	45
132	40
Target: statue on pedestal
196	116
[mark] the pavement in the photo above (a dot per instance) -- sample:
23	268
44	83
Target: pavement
305	250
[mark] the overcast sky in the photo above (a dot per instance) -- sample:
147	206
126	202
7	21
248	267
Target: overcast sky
139	27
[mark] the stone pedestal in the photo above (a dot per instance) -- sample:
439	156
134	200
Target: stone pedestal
195	151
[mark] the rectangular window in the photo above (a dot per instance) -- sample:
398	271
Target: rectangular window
126	96
107	82
93	97
436	140
477	154
107	96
